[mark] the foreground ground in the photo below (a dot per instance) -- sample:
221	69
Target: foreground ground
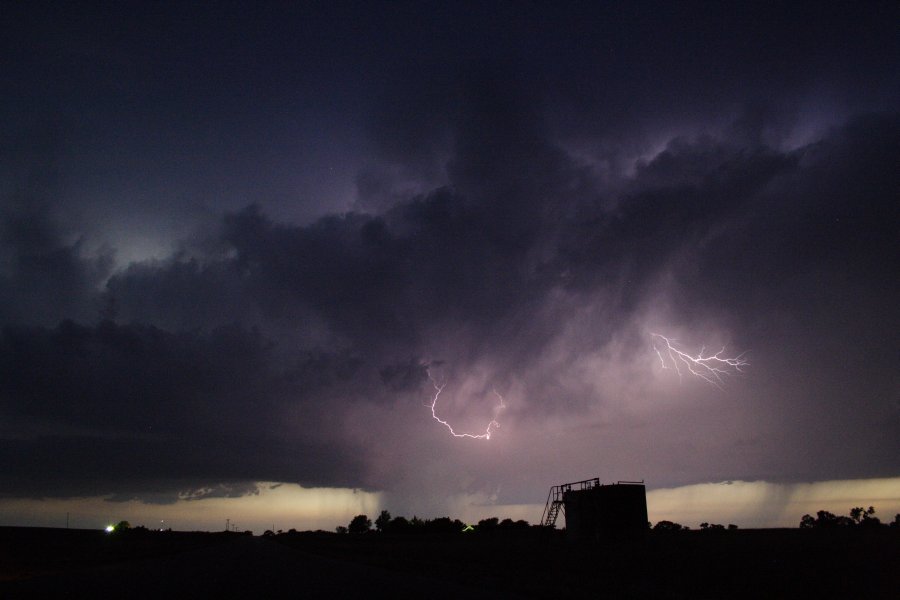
775	563
522	564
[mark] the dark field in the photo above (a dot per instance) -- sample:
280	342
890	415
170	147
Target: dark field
27	552
775	563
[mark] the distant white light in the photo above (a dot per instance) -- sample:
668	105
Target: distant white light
110	528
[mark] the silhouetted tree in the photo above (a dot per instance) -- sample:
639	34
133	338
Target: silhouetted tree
826	520
443	525
896	521
383	521
668	526
807	522
399	525
508	525
488	524
864	518
360	524
823	519
340	529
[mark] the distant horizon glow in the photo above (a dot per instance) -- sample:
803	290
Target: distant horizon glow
748	504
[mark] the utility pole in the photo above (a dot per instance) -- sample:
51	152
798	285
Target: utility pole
227	521
67	520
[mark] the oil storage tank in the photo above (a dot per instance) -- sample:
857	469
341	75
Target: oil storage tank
596	511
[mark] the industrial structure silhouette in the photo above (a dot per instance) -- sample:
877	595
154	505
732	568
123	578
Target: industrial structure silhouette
596	511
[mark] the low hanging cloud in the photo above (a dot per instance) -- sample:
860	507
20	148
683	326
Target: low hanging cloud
280	352
137	411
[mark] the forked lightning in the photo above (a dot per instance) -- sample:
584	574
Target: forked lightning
491	427
712	368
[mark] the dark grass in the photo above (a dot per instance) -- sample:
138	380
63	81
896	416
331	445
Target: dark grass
29	551
528	563
770	563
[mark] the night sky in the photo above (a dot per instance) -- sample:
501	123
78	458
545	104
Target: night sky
240	245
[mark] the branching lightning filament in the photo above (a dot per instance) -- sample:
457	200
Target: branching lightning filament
712	368
491	427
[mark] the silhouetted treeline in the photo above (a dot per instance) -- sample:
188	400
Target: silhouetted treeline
667	526
859	517
124	529
385	523
399	525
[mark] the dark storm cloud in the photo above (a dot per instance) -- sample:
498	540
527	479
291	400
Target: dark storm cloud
181	293
42	274
404	376
832	211
48	269
744	230
539	189
133	408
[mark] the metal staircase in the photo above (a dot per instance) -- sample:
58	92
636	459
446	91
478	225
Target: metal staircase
555	504
553	507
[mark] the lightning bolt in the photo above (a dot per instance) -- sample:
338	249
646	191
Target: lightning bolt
491	427
712	368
